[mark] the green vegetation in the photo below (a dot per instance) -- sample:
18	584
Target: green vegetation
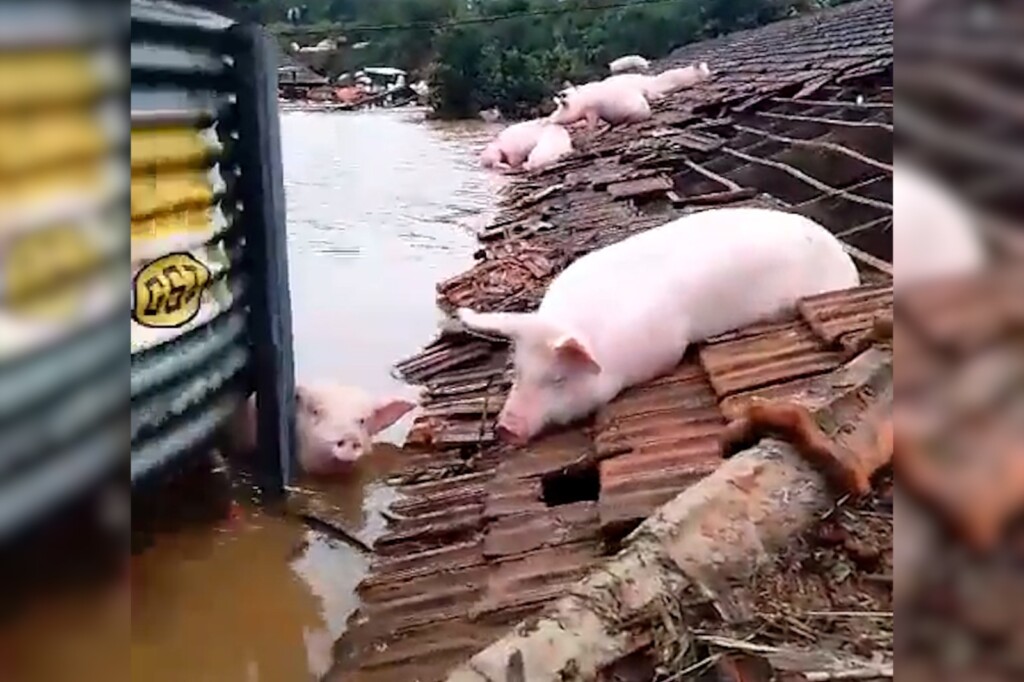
476	56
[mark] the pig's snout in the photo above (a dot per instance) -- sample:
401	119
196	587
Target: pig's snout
512	430
348	449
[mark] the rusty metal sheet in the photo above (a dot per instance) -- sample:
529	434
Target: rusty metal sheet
789	353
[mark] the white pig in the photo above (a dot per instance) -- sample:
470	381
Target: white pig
673	80
514	144
633	62
554	143
648	85
933	234
626	313
334	425
492	156
606	100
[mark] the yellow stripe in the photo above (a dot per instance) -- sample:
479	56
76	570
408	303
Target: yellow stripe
46	77
35	139
168	146
190	220
17	192
165	192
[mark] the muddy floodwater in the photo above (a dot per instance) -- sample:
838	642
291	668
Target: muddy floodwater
381	206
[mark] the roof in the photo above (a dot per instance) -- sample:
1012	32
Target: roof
799	116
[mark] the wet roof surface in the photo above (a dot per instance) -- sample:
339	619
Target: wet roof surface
798	117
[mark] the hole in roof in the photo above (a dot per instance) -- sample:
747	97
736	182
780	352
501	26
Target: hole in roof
576	484
613	535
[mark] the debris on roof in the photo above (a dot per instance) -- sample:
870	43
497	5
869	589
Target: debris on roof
798	116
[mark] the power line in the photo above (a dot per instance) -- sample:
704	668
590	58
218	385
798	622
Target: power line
467	21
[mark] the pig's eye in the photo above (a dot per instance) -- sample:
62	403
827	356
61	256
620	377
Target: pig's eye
557	380
362	421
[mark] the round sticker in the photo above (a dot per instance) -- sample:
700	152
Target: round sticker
168	291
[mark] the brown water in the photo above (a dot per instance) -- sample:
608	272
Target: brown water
381	206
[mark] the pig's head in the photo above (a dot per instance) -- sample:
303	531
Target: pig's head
703	71
567	109
556	374
491	156
336	423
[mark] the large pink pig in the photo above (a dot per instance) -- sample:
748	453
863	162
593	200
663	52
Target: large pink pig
554	143
626	313
609	100
673	80
334	425
513	145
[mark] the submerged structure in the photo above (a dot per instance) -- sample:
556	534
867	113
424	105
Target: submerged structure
537	563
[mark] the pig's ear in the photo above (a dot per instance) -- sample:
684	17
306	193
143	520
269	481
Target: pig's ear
387	412
571	350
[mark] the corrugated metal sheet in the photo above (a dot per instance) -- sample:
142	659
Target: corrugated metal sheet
190	343
65	255
62	247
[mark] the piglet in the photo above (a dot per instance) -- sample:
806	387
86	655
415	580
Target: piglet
934	235
334	425
607	100
513	145
554	143
633	62
625	314
674	80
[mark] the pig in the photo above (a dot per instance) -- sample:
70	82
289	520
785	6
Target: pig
611	101
334	425
644	83
492	156
514	144
933	234
626	313
554	143
673	80
633	62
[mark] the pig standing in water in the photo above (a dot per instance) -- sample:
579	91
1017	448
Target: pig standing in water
607	100
933	233
513	144
633	62
554	143
626	313
334	425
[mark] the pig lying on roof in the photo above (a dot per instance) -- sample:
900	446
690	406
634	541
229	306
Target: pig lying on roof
513	145
625	314
553	144
334	425
633	62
